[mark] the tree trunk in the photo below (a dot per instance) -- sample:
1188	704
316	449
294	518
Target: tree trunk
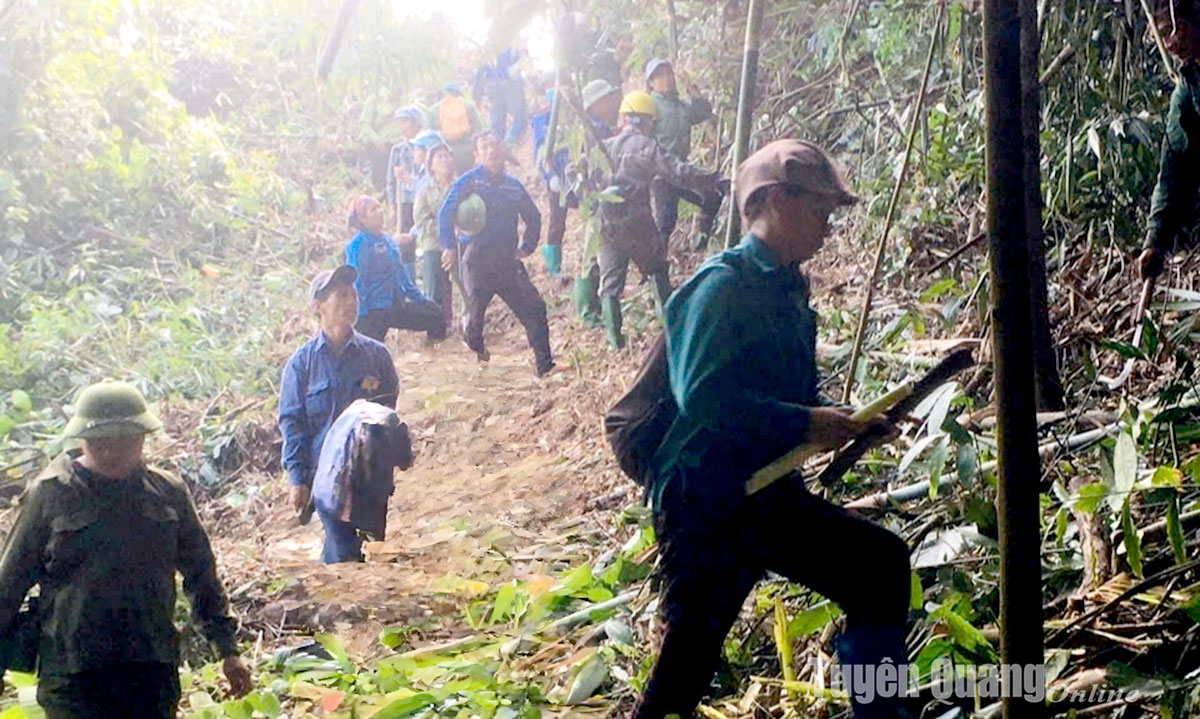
1048	389
1020	541
741	138
329	54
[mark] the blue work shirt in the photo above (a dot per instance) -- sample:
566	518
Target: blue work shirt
505	67
318	383
506	200
741	357
381	274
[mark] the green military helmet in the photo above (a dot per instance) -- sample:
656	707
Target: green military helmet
471	217
111	409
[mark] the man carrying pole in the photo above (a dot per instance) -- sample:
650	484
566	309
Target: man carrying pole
741	357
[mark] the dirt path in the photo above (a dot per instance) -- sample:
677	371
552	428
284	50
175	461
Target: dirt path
511	479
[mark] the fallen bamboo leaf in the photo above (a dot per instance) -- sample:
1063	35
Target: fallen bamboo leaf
710	712
590	673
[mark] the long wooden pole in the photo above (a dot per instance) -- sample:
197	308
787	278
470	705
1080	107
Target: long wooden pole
672	33
915	122
329	54
741	141
1048	389
1012	338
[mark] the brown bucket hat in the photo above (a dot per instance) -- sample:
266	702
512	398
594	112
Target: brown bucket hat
796	163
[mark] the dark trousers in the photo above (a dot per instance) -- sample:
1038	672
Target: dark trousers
557	226
713	555
435	282
487	274
423	315
342	542
119	691
614	267
666	207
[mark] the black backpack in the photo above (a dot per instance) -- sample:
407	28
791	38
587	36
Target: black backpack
637	424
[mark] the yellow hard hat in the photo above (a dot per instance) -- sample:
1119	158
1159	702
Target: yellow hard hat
638	102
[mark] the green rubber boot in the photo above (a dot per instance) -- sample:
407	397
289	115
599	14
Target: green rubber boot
662	290
611	309
553	255
587	302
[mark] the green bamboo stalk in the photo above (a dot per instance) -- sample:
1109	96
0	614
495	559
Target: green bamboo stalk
741	142
914	123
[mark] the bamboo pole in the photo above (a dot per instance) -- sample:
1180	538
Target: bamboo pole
1012	337
917	490
329	54
914	123
741	141
673	32
1048	390
1158	41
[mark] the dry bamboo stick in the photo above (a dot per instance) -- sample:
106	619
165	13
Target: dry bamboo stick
915	122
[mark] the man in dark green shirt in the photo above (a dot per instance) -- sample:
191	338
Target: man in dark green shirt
673	130
102	535
1173	209
741	358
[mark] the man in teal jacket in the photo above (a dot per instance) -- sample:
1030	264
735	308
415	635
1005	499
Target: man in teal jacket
673	130
741	349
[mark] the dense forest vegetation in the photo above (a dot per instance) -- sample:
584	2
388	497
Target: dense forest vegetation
172	173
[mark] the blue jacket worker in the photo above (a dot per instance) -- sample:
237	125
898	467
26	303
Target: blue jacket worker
387	295
327	373
491	265
741	358
500	81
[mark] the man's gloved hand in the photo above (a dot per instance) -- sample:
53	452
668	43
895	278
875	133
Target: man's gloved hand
1150	263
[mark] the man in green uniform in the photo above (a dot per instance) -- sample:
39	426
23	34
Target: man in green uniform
627	229
1173	208
103	534
673	130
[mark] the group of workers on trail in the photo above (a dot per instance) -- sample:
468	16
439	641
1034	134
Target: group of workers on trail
102	533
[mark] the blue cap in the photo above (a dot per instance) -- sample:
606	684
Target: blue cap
408	113
429	139
453	87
